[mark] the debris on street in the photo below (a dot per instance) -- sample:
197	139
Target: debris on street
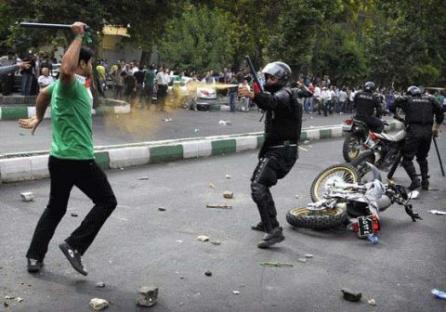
98	304
220	206
161	209
148	296
371	302
203	238
100	285
302	260
438	212
308	256
228	194
143	178
228	176
236	292
208	273
216	243
276	264
73	214
351	295
211	185
439	294
27	196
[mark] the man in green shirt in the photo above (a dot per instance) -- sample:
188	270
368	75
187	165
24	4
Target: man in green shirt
71	162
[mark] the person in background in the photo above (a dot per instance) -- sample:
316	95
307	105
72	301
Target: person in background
45	79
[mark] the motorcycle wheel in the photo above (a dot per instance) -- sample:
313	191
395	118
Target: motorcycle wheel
316	220
352	146
360	163
343	172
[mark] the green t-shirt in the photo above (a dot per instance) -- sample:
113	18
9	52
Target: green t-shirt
71	121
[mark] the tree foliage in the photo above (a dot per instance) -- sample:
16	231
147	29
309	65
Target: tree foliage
392	42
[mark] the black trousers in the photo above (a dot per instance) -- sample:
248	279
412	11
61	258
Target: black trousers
91	180
274	164
417	143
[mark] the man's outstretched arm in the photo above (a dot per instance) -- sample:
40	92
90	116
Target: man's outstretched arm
42	102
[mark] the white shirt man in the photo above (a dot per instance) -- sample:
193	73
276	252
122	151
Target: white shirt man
45	79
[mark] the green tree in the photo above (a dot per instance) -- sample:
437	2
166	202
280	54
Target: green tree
200	39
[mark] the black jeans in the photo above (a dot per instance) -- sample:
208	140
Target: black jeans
274	164
91	180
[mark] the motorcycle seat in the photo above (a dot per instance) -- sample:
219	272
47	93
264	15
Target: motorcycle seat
360	122
400	135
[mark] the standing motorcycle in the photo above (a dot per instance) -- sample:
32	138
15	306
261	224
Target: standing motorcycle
356	132
356	205
383	150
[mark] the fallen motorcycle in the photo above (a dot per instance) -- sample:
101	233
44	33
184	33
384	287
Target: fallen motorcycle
354	204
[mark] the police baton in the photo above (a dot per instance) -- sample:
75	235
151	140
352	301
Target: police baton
438	155
48	26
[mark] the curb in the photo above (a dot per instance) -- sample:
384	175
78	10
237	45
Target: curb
107	106
31	166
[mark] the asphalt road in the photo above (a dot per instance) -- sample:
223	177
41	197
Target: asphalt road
140	245
147	126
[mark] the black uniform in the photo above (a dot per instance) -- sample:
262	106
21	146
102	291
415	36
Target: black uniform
419	111
366	103
279	151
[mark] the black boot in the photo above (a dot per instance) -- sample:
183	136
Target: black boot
415	184
276	236
424	174
411	172
34	266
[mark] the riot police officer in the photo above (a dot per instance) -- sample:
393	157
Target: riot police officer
420	127
278	154
366	103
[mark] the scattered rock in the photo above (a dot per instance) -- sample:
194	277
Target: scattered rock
276	264
18	299
161	209
143	178
27	196
220	206
228	176
236	292
297	196
216	243
148	296
179	241
9	297
203	238
73	214
5	304
371	302
351	295
167	119
306	141
228	195
121	168
303	260
181	277
100	285
98	304
208	273
211	185
196	130
308	256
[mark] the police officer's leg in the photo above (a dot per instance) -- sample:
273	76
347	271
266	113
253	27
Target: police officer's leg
423	150
409	150
263	178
